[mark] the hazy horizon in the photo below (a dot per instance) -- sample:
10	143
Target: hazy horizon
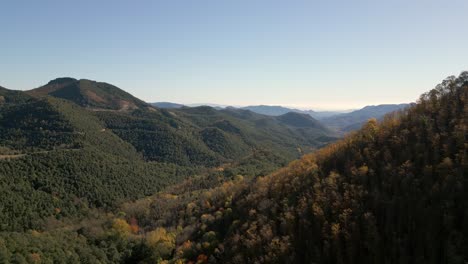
344	110
324	56
334	107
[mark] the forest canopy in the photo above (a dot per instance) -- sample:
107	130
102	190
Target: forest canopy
92	191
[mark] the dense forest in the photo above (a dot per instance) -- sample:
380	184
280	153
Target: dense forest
75	145
393	192
88	189
73	150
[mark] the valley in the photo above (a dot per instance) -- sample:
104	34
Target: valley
92	174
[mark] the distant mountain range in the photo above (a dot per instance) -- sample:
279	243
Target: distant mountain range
167	105
354	120
270	110
281	110
336	120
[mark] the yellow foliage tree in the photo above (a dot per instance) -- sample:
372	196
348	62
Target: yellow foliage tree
121	227
161	241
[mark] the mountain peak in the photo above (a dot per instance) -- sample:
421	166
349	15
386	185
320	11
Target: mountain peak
89	93
62	80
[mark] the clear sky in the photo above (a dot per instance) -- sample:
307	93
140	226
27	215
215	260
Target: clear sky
312	54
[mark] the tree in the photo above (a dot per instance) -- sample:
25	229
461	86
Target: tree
161	242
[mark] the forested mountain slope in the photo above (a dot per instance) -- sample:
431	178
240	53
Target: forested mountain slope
57	160
209	137
258	131
62	152
90	94
188	136
393	192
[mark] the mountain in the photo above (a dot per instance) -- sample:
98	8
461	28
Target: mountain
215	106
269	110
72	145
75	150
90	94
280	110
76	184
299	120
394	191
248	130
174	136
209	137
338	121
167	105
354	120
58	160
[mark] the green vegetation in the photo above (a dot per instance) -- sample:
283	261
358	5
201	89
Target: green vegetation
32	124
189	185
70	150
90	94
393	192
57	160
204	136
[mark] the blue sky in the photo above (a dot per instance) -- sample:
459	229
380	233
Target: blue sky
311	54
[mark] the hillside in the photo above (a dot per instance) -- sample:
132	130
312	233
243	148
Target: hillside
299	120
209	137
394	191
58	160
67	155
260	131
176	135
70	155
90	94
